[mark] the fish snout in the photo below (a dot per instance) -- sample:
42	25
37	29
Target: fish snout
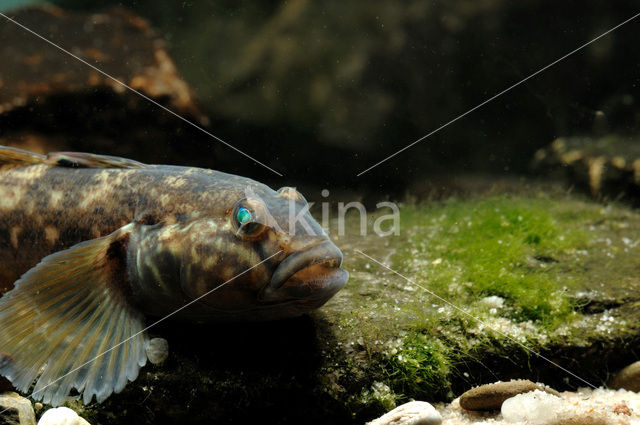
321	255
310	276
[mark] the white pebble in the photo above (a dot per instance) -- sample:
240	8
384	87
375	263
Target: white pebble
157	350
412	413
20	405
535	408
61	416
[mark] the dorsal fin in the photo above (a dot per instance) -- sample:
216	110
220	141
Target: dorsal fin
90	160
18	157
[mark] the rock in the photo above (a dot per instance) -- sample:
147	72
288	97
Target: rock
605	167
61	416
42	85
536	407
18	410
412	413
491	396
157	350
628	378
38	70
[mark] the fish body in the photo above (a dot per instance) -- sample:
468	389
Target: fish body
91	246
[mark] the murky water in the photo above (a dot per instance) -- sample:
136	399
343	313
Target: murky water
477	169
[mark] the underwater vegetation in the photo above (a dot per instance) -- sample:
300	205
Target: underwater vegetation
515	271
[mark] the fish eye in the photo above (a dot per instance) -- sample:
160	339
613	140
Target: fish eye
245	220
243	215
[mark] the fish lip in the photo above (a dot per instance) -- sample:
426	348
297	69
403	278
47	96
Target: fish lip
321	253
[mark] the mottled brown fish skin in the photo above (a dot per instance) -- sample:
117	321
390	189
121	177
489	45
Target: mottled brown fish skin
45	209
182	244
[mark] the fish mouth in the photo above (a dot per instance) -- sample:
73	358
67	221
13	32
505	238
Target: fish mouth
314	272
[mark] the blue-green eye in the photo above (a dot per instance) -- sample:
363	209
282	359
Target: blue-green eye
243	215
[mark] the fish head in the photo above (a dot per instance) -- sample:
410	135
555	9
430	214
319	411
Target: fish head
267	258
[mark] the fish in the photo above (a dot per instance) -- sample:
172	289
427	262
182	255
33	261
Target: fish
93	247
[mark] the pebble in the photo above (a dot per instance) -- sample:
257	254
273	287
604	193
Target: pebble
628	378
583	407
61	416
157	350
19	409
491	396
412	413
535	407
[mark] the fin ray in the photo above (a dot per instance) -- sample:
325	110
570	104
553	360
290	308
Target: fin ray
66	319
14	157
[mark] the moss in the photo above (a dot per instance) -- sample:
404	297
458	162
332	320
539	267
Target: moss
506	247
420	367
511	267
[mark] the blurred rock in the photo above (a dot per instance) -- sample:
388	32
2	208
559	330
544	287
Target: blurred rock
412	413
302	84
491	396
608	167
18	410
116	42
157	350
628	378
51	101
61	416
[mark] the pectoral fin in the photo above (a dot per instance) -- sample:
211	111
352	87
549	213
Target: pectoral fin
68	318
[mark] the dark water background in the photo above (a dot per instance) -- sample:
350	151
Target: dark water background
322	90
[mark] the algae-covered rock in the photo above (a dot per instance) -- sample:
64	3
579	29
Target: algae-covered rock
564	268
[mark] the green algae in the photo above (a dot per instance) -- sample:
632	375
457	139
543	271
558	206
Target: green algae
489	277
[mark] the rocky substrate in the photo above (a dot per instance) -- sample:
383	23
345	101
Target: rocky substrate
523	402
512	402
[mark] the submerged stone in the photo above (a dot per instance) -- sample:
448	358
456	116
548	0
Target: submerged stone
537	407
157	350
628	378
61	416
18	410
412	413
492	396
